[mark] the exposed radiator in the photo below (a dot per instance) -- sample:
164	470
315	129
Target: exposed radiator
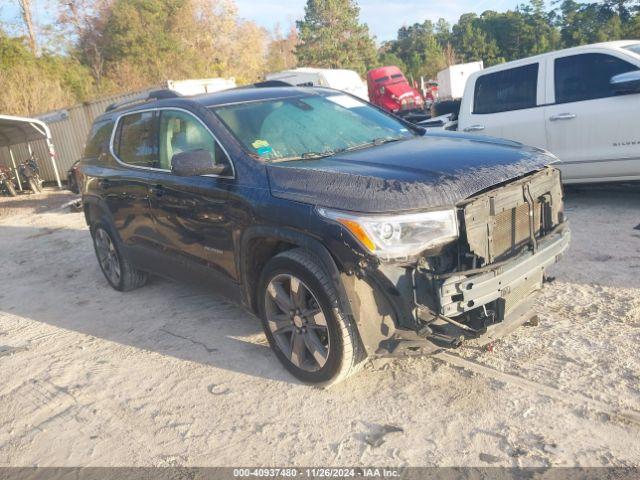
498	223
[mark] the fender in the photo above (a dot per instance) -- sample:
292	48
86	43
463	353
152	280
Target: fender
370	308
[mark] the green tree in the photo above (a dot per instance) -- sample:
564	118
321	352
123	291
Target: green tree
331	36
142	35
386	57
472	43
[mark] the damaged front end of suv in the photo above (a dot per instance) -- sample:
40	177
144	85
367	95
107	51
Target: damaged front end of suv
433	256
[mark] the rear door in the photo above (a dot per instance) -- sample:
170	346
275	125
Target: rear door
125	187
506	104
592	130
192	218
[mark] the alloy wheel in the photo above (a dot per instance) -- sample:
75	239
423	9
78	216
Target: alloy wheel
297	322
107	256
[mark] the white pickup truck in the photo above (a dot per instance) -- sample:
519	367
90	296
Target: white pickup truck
582	104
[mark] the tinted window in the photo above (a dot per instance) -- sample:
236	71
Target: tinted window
99	137
512	89
381	79
181	132
136	139
587	76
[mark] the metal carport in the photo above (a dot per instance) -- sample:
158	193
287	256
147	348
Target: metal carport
19	130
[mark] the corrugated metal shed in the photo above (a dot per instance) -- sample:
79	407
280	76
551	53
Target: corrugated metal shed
69	130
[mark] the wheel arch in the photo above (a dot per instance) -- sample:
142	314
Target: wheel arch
260	244
95	209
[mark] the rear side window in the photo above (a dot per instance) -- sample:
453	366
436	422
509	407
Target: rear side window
513	89
136	140
98	141
587	76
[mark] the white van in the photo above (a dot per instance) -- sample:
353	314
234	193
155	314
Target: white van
582	104
345	80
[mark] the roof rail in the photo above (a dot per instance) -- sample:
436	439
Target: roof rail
271	83
146	97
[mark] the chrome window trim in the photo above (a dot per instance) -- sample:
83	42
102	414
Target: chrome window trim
153	169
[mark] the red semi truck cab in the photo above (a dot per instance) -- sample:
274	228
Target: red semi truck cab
390	90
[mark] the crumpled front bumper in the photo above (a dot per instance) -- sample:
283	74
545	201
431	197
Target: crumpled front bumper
486	303
514	281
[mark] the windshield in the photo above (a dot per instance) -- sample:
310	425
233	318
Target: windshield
309	126
635	48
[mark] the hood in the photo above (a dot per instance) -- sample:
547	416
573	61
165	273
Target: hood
400	90
434	170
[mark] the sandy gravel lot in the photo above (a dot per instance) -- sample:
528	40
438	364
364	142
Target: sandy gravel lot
174	375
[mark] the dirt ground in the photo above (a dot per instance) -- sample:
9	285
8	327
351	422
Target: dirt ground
174	375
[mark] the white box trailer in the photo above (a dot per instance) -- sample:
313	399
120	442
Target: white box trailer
196	86
345	80
452	80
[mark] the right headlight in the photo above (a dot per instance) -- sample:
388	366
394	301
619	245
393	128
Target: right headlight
398	236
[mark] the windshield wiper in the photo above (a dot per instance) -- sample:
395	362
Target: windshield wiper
329	153
373	143
382	141
305	156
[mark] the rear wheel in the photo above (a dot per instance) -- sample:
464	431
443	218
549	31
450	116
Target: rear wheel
304	322
117	269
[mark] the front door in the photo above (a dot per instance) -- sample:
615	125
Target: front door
191	214
593	131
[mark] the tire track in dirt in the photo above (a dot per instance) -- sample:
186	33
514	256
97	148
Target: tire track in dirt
572	399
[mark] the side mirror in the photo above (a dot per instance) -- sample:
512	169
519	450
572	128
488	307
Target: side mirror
195	162
626	83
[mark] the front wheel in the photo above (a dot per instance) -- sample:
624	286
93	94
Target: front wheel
33	185
11	189
117	269
304	322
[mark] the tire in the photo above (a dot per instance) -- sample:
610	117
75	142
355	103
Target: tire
331	349
117	269
11	189
33	185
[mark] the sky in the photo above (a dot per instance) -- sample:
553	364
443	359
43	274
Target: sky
384	17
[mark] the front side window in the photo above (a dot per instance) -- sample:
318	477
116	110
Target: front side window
587	76
181	132
309	126
135	142
513	89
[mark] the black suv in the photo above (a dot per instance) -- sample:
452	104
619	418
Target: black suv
350	232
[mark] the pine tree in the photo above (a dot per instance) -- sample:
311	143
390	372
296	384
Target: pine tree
331	36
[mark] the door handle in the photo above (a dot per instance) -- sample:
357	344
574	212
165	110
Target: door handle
157	190
474	128
563	116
